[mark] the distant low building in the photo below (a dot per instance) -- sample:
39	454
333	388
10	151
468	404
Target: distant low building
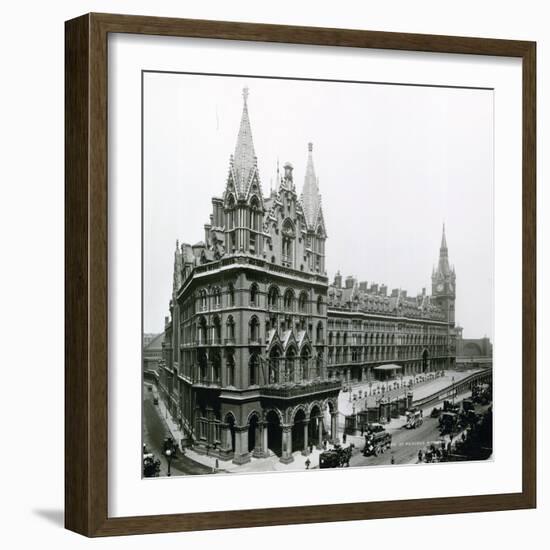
472	347
148	337
152	351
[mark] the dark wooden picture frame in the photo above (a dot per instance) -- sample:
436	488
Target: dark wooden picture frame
86	281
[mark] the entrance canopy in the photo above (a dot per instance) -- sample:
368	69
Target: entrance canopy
388	367
387	372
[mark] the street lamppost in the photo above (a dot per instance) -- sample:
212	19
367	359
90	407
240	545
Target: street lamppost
169	455
453	390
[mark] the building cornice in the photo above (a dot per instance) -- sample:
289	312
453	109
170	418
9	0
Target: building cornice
393	318
253	263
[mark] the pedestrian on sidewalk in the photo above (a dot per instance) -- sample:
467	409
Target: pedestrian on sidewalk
308	463
392	459
420	455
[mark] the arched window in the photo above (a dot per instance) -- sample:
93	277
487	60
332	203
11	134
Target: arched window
230	223
253	370
230	295
288	243
330	338
320	304
289	300
217	298
274	357
318	365
304	363
217	330
216	364
290	373
273	298
230	365
203	364
231	213
254	222
302	302
319	333
203	300
254	295
203	331
230	325
254	214
254	330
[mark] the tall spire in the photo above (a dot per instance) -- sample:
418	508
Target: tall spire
443	240
443	266
244	159
311	200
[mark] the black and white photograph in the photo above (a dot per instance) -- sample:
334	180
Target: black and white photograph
317	274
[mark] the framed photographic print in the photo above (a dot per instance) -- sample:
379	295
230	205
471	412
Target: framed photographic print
300	275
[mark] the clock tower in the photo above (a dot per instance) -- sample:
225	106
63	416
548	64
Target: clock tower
443	282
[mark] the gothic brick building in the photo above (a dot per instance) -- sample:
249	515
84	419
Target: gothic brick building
257	343
373	334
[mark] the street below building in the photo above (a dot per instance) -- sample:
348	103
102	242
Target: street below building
407	442
405	445
155	430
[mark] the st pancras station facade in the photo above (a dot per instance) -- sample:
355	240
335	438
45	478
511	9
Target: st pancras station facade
258	344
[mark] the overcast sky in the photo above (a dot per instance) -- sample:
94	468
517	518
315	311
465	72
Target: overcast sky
393	162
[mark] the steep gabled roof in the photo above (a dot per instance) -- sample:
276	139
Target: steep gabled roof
155	343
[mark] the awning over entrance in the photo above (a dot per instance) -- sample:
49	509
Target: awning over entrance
388	367
387	372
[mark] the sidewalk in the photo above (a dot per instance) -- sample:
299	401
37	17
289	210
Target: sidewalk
419	390
177	434
269	464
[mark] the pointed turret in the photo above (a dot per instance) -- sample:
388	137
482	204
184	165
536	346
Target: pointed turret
178	269
244	161
310	198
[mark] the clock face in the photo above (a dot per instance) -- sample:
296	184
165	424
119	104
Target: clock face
439	287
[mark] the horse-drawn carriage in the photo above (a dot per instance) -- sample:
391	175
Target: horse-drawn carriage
151	465
482	394
377	440
336	458
448	422
415	418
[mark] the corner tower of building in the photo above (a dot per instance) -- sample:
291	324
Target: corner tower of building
310	200
243	202
444	281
